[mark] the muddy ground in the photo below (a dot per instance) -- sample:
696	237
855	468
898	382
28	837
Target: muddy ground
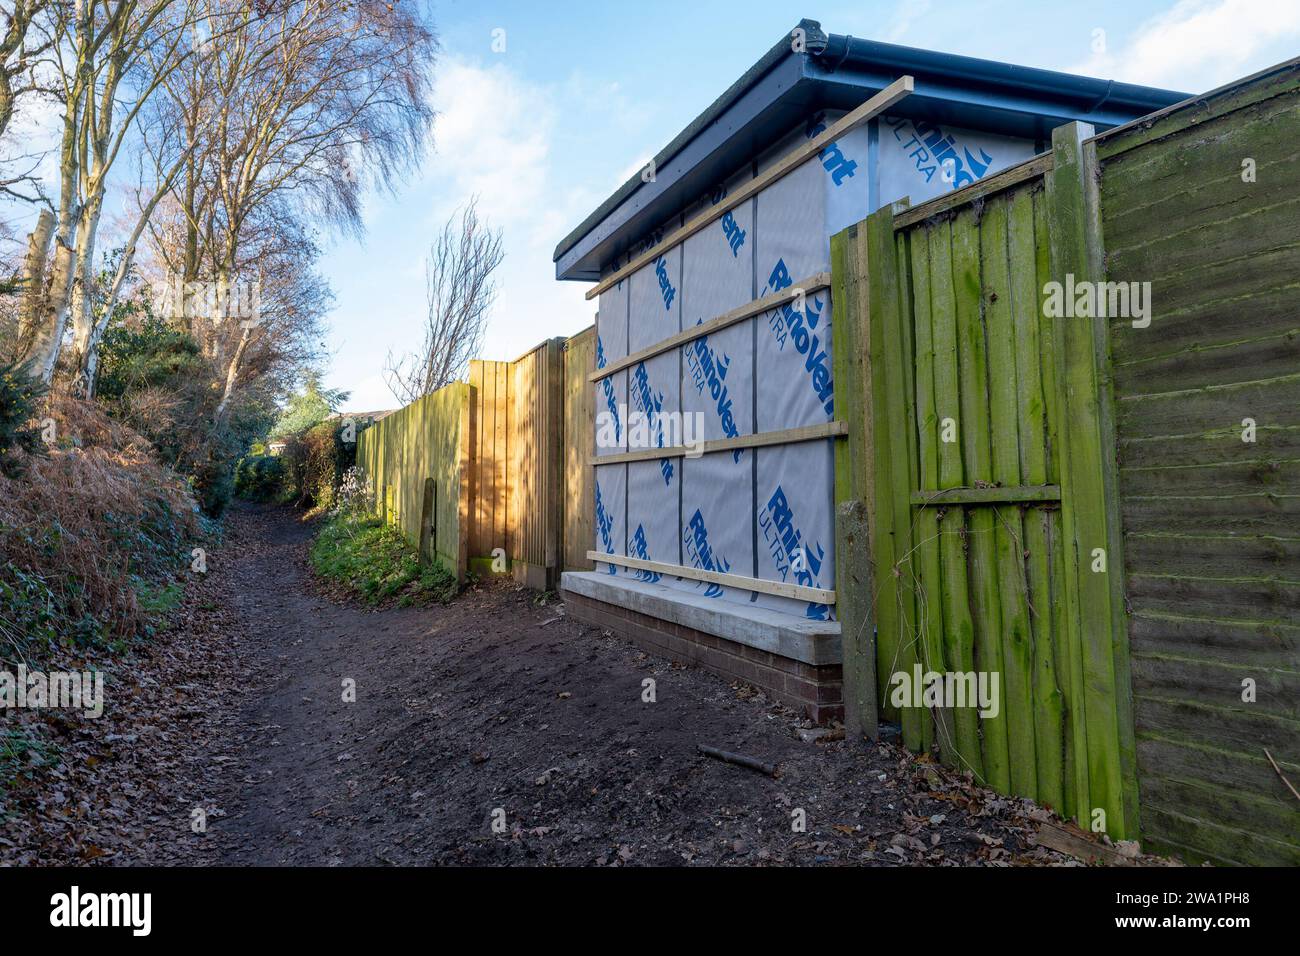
496	707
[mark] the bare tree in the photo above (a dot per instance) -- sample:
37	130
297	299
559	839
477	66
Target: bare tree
20	49
98	48
460	292
314	102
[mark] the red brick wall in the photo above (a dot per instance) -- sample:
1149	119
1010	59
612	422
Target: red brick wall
816	690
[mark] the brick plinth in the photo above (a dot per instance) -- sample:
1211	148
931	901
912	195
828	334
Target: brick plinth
816	690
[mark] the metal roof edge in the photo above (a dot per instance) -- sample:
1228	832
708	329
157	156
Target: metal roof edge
1091	91
843	59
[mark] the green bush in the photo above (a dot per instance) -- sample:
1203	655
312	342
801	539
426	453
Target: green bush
23	753
20	395
259	477
376	563
315	462
151	353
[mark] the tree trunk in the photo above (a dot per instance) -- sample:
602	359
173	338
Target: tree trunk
49	334
83	281
232	374
33	302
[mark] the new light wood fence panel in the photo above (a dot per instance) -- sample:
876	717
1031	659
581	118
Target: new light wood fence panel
579	425
491	500
421	442
536	436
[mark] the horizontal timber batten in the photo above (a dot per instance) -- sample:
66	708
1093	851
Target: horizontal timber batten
780	589
850	121
821	280
786	436
1029	169
987	496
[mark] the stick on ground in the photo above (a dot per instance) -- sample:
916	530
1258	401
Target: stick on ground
740	760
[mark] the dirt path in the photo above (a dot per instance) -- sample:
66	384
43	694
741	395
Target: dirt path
495	705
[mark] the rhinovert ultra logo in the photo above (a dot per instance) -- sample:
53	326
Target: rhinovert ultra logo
934	151
785	542
695	540
787	323
650	404
611	400
605	526
639	548
709	374
665	284
833	159
734	234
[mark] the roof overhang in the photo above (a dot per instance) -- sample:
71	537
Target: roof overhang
840	72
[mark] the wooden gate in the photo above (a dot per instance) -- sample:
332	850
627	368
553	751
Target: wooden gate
992	546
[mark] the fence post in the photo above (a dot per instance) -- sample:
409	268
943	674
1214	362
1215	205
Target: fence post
467	426
853	578
1094	588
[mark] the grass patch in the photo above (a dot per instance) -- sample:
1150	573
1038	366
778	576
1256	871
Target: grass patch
376	563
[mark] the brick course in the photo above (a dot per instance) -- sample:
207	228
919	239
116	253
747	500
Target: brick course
816	690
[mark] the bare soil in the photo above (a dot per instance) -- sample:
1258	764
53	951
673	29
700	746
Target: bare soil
496	707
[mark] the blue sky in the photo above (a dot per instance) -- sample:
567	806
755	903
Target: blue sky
584	93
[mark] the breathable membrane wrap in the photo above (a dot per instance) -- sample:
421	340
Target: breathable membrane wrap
717	520
611	391
653	495
611	514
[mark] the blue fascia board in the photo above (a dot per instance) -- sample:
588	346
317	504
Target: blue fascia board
953	90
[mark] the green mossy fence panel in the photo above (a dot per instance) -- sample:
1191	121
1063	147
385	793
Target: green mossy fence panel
1202	203
990	491
853	489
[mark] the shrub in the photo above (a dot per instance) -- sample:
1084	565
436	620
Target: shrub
315	462
20	436
259	477
85	534
152	353
376	563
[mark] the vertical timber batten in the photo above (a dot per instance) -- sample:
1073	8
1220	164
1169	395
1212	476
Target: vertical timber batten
853	572
1094	563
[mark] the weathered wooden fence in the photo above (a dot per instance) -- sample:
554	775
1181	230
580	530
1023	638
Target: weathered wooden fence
988	507
1203	203
1101	511
1099	506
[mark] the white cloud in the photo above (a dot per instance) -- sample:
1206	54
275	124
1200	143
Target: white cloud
492	139
908	12
495	138
633	168
1197	45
